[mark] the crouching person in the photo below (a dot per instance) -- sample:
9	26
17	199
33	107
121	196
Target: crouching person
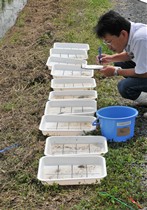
129	42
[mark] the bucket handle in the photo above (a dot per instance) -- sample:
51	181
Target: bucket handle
95	123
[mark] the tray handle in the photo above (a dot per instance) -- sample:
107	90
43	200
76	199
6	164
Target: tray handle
96	123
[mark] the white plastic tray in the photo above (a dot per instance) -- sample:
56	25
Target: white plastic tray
54	60
73	84
71	107
63	70
68	45
75	145
68	53
73	95
66	125
71	170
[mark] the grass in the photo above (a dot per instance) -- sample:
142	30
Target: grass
26	85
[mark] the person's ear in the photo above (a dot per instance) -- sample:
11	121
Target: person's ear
124	33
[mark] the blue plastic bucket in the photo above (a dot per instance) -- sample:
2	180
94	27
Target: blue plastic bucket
116	122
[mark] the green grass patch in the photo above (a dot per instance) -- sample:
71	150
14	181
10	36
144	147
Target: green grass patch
21	20
7	106
15	38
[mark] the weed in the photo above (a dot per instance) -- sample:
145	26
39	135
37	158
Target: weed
15	38
8	107
21	21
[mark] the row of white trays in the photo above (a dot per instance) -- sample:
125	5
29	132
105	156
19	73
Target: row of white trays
68	53
65	89
63	69
73	160
70	158
69	50
61	108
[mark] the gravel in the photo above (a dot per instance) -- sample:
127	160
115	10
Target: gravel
133	10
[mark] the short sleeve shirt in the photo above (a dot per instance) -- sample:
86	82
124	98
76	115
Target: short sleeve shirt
137	46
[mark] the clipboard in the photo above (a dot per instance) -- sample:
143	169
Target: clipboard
96	67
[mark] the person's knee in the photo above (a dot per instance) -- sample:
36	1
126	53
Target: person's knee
127	91
122	89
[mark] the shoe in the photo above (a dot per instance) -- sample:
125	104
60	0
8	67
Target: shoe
142	99
145	115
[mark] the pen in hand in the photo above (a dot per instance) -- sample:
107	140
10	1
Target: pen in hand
100	54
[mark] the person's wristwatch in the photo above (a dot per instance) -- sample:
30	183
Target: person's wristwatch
116	70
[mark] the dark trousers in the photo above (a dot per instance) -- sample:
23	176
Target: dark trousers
131	87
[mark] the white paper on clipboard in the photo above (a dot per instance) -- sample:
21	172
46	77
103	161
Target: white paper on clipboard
145	1
85	66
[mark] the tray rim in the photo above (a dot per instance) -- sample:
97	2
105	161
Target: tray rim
51	94
72	179
52	138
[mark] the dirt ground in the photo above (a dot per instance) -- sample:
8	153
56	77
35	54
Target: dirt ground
23	55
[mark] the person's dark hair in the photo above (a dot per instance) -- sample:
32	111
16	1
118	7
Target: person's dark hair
111	23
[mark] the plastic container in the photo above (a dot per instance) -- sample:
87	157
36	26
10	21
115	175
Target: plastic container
73	84
71	170
66	125
73	95
55	60
68	45
70	107
72	71
75	145
68	53
116	122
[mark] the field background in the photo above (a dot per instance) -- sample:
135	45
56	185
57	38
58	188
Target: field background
25	86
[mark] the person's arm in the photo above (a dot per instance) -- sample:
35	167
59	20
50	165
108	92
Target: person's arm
109	71
121	57
130	73
105	59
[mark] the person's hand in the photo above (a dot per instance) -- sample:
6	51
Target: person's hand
105	59
108	71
